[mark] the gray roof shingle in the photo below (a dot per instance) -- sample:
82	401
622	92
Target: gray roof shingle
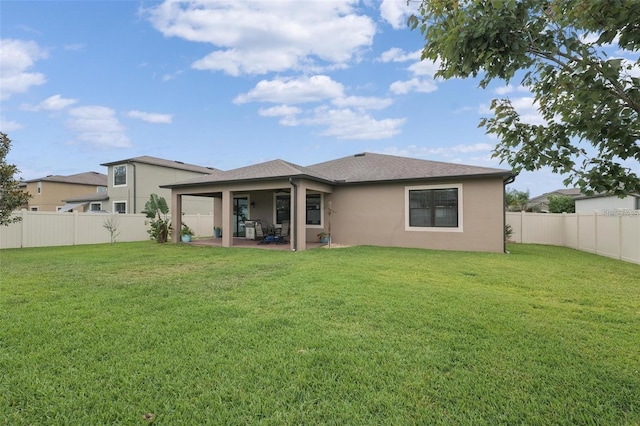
145	159
359	168
86	178
370	167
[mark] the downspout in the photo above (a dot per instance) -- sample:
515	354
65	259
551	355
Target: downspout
134	188
505	182
294	227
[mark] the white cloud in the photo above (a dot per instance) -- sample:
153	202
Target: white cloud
255	37
293	91
279	111
527	108
151	117
98	126
76	46
362	102
348	124
16	57
510	88
52	103
413	85
9	125
396	12
422	72
449	154
287	114
396	54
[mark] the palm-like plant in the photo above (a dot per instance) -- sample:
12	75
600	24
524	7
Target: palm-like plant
157	210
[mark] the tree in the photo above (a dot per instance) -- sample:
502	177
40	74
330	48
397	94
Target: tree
589	102
516	200
11	196
561	204
157	210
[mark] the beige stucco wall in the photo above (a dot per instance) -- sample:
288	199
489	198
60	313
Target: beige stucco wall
375	215
148	180
52	194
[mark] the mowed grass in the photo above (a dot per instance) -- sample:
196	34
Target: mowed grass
138	333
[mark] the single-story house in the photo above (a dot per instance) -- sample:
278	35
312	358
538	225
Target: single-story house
364	199
610	204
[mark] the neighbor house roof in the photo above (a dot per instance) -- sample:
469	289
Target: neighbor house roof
572	192
96	196
154	161
359	168
87	178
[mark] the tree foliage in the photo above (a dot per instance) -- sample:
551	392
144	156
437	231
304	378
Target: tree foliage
11	196
516	200
561	204
588	101
157	210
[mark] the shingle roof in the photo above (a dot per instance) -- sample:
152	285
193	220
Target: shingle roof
95	196
86	178
370	167
572	192
145	159
359	168
275	169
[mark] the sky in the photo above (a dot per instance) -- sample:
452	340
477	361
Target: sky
231	83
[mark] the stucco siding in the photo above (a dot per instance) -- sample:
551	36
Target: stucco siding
375	215
52	194
589	205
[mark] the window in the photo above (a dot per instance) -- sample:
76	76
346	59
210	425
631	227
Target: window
34	209
119	175
39	188
95	207
434	208
314	209
283	208
102	189
120	207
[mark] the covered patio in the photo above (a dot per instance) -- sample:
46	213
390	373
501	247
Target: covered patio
271	193
245	243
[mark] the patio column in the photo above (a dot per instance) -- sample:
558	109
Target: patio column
217	212
176	216
227	218
300	215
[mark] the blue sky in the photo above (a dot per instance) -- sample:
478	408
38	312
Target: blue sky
231	83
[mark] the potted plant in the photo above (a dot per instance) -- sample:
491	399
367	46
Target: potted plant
217	232
186	233
323	237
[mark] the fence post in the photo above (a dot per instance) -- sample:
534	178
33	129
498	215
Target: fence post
595	230
23	228
75	228
521	226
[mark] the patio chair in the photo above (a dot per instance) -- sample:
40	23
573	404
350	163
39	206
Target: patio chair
282	234
260	235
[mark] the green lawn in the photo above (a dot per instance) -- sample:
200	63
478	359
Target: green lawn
137	333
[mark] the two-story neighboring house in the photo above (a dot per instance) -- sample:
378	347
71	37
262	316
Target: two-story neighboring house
132	181
49	193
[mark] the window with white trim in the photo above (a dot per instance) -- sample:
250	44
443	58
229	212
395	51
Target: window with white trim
434	207
120	175
39	187
119	206
95	207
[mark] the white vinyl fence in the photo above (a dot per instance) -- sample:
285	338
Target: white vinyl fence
614	233
46	229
